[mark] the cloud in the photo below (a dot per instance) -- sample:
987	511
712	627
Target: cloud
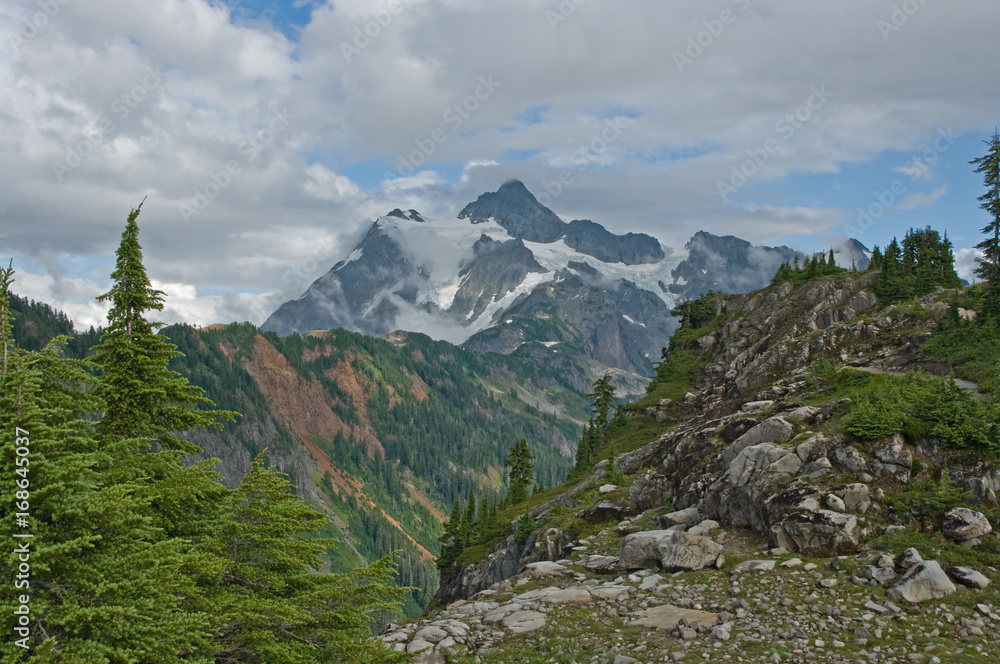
966	262
327	185
178	103
918	200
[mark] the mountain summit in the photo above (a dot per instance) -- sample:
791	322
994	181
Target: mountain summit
517	211
509	276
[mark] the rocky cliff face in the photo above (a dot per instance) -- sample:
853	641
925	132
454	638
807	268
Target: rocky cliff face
757	448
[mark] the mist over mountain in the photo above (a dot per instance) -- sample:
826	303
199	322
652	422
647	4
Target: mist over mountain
508	275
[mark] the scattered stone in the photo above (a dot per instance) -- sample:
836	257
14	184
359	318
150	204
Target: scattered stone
752	565
686	517
520	622
835	503
568	596
703	528
606	488
877	608
792	562
416	645
546	568
880	575
599	563
622	659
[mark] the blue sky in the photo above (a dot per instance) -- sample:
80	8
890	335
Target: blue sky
266	136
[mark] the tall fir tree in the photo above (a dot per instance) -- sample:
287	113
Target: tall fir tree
602	399
451	539
142	397
521	471
146	404
988	268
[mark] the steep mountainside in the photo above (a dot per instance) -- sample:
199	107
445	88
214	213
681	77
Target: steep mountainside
508	275
386	433
785	441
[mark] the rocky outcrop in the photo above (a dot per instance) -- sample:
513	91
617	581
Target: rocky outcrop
503	562
773	332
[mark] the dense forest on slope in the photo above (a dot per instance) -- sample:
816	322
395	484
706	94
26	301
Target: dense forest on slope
411	425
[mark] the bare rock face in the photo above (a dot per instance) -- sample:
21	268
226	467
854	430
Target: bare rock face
672	550
925	580
819	533
772	430
966	527
892	457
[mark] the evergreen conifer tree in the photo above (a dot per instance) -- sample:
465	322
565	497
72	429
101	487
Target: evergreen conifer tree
989	264
274	606
521	472
104	585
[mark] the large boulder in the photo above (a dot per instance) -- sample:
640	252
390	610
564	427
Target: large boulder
925	580
822	533
847	459
966	527
856	497
667	616
672	550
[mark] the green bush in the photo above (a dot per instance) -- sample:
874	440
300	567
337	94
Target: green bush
874	418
